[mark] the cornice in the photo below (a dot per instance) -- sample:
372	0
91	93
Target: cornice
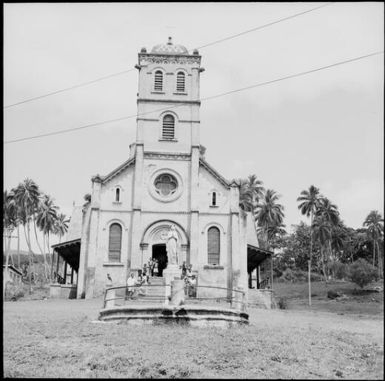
151	100
116	171
213	172
169	59
167	156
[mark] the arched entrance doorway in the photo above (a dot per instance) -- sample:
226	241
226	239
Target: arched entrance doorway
153	243
159	252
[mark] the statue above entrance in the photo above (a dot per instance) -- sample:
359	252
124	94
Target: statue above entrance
172	240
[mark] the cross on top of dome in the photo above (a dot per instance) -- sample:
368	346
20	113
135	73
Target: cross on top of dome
169	48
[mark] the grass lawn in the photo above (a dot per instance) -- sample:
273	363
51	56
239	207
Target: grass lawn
60	338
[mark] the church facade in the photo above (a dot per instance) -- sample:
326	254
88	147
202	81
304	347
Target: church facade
165	181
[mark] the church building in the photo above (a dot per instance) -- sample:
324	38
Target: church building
165	181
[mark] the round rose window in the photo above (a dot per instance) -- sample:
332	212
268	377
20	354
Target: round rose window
165	185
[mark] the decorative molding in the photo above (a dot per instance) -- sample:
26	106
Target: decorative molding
213	172
168	140
115	211
167	156
144	100
113	264
213	267
148	119
171	197
163	212
116	171
169	59
189	121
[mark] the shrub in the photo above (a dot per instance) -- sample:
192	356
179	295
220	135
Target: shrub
288	275
339	269
315	277
14	291
362	273
282	303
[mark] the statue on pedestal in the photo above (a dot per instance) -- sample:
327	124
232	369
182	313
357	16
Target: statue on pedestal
172	240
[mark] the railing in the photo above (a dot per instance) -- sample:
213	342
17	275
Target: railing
232	298
214	295
133	293
58	278
264	283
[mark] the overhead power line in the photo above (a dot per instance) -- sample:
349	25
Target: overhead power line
203	99
70	88
127	71
262	26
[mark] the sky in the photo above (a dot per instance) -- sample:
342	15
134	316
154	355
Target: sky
323	129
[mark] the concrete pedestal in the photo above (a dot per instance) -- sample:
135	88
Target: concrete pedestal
171	273
177	292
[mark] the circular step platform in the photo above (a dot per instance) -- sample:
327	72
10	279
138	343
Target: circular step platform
189	315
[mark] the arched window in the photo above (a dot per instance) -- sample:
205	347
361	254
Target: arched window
158	84
168	128
115	243
214	199
117	195
213	245
180	81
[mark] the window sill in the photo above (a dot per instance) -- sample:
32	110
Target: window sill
158	92
169	140
213	267
116	264
180	93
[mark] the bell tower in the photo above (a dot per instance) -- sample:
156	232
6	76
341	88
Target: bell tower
168	99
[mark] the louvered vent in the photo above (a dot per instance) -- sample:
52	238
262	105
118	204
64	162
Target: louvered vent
115	243
180	80
158	86
168	127
213	246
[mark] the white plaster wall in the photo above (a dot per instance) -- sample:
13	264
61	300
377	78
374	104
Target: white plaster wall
107	192
150	125
207	184
149	202
117	271
147	74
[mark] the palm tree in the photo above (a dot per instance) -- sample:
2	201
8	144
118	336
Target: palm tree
269	214
322	232
27	198
375	229
61	225
46	218
251	190
10	222
309	201
327	213
274	232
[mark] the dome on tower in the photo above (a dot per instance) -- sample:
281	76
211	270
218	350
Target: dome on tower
169	48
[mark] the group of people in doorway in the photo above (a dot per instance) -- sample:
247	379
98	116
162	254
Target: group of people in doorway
150	269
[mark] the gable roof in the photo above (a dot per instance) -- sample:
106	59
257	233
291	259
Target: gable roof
116	171
213	172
